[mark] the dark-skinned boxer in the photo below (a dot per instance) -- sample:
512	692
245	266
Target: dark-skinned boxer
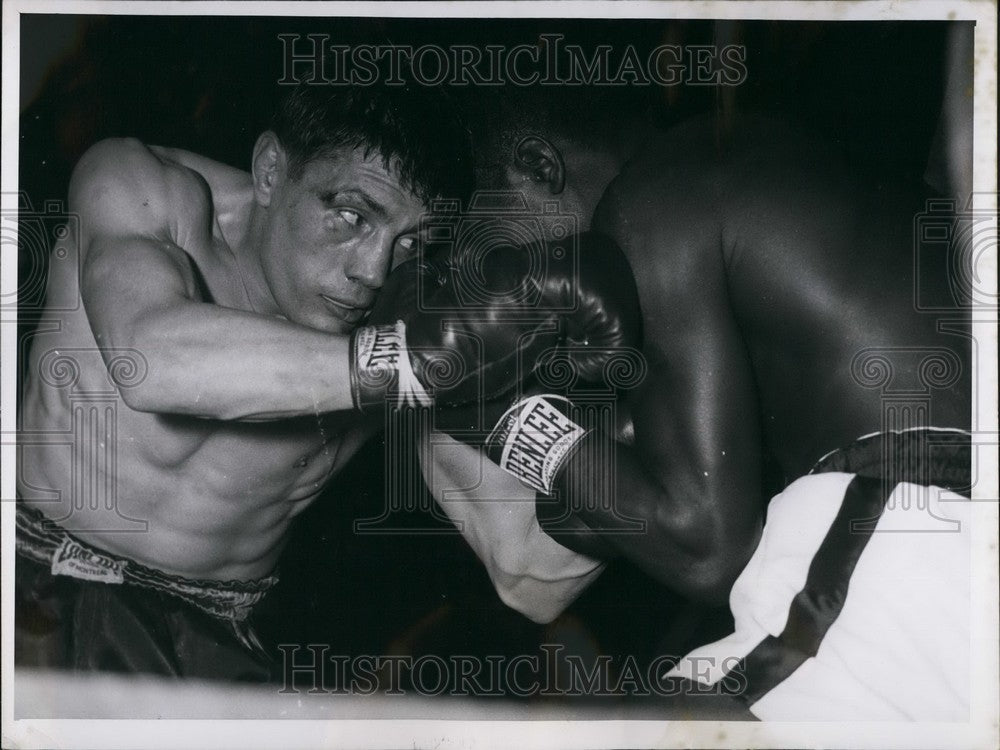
777	295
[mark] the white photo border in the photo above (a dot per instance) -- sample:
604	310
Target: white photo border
501	726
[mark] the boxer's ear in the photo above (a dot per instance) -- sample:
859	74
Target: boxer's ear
269	162
540	161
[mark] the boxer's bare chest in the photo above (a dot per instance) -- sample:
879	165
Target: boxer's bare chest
289	457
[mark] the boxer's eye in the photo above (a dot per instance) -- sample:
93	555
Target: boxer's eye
406	249
353	218
341	216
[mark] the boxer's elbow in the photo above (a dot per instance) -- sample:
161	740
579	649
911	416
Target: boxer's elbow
541	590
512	580
147	397
539	599
138	399
717	552
518	594
711	579
135	366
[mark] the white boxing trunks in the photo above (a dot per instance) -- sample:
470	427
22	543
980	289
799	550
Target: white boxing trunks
855	605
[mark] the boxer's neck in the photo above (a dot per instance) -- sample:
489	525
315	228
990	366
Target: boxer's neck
247	261
588	174
591	169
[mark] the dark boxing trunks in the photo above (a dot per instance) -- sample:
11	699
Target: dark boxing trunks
81	608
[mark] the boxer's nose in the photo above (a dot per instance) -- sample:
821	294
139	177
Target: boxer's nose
369	263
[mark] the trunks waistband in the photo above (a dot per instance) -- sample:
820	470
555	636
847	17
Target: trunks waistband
926	456
42	540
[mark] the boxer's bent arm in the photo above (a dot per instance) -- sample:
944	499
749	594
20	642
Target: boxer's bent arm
700	516
693	473
202	359
495	514
139	293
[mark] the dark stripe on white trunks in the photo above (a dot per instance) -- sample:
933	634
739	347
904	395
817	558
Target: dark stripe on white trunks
879	462
816	607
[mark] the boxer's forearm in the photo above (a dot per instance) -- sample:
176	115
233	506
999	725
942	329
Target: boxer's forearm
208	361
692	540
531	572
141	294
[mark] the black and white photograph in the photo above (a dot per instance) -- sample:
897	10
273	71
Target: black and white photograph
501	374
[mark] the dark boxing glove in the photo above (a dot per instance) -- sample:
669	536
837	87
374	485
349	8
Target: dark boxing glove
455	329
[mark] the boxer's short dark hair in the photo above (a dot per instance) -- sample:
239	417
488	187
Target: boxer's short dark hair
416	129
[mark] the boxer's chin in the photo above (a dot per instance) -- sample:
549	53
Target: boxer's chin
336	326
323	321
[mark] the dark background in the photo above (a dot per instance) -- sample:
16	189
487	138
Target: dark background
209	84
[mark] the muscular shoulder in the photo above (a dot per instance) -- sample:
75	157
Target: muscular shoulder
768	189
123	187
663	210
666	193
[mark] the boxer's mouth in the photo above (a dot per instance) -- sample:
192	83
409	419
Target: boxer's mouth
347	313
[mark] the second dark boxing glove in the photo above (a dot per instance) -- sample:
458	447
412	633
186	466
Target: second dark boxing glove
453	329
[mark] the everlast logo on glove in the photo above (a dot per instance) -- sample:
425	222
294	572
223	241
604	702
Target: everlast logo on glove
378	350
381	368
537	438
74	560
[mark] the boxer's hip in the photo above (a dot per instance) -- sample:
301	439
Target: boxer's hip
856	602
81	607
43	541
939	457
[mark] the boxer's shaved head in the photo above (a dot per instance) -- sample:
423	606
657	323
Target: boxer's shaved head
589	118
417	132
556	143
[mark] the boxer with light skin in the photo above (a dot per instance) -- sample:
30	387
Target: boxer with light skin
238	291
763	268
247	303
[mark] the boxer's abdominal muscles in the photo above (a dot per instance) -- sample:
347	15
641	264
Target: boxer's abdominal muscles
259	477
216	499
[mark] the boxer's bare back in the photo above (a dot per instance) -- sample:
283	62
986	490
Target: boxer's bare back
763	271
242	420
762	275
